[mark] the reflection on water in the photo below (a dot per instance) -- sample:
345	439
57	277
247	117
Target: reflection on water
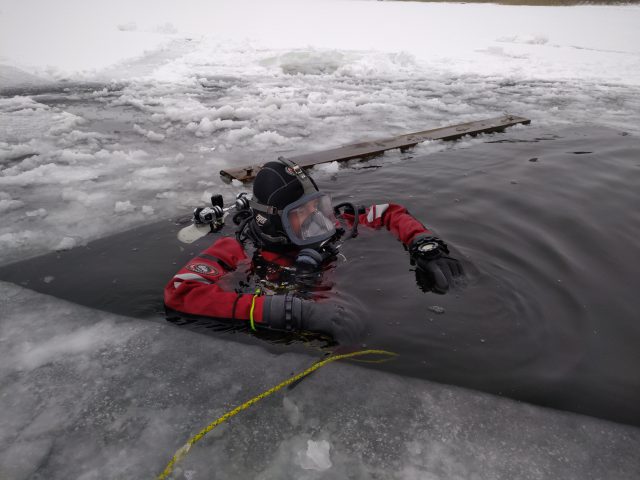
546	224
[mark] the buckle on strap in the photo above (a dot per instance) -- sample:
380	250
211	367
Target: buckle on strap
293	166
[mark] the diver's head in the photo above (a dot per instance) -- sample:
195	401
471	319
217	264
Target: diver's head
288	209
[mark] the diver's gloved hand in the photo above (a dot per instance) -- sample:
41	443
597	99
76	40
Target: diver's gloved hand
286	312
335	320
436	270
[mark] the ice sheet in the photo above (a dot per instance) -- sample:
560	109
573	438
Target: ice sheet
149	100
91	395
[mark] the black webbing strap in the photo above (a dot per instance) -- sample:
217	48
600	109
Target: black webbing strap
235	304
307	185
288	312
268	209
223	264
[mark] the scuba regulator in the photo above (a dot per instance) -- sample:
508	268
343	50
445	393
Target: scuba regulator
215	214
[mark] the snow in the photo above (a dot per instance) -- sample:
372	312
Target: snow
191	87
113	114
88	394
328	35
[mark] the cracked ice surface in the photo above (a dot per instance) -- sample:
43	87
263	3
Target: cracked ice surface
90	395
132	123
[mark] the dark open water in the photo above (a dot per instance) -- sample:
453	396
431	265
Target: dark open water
547	224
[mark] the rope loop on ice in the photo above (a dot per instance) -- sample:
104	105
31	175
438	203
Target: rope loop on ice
184	450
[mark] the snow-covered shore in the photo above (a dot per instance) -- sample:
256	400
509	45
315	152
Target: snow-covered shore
581	43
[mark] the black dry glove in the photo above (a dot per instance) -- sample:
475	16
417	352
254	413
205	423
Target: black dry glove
286	312
335	320
435	271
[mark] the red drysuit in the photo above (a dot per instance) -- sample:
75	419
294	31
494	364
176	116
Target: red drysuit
195	289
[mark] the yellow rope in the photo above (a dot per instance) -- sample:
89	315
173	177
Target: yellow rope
182	451
253	306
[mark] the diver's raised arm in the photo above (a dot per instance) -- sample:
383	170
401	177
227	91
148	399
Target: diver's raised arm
436	270
395	218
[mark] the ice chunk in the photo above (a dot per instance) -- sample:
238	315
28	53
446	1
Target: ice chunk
84	198
15	151
317	456
40	212
237	135
292	411
167	195
207	126
124	207
7	204
65	122
20	103
269	139
328	168
152	172
15	240
150	134
67	243
48	174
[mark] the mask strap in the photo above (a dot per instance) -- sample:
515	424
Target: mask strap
268	209
307	183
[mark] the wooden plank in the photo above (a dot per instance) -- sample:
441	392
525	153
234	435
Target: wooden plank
377	147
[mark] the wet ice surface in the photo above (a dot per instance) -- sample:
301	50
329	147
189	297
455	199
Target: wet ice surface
90	395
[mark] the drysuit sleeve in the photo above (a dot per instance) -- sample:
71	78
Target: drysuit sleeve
195	289
394	218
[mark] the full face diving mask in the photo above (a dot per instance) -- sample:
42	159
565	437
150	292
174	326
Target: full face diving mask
310	219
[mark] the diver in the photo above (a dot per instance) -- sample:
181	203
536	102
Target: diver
296	235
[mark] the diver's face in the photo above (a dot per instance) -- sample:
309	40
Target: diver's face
303	214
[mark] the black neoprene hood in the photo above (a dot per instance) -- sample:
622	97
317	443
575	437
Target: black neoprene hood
277	187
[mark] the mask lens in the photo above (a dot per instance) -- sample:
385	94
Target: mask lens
313	220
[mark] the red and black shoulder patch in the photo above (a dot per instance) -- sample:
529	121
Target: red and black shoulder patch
203	269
